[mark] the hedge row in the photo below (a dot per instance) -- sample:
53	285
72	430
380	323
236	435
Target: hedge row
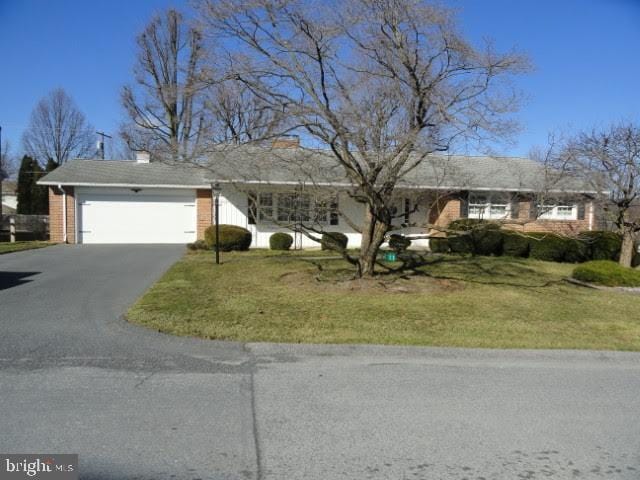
486	238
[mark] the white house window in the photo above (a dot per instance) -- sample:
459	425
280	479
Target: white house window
558	212
486	206
290	208
265	207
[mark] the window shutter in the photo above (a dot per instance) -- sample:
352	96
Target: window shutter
533	210
581	209
407	209
464	204
333	212
514	206
253	208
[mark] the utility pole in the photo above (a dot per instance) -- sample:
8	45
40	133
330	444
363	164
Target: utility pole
101	143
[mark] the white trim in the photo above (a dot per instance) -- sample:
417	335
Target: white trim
75	216
319	184
487	205
126	185
64	214
551	212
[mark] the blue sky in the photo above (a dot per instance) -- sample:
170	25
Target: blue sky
585	52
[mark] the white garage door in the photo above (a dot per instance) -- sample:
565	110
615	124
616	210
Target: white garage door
146	216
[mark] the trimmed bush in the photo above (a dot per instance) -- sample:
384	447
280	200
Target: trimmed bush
607	272
488	241
197	245
547	246
280	241
399	243
439	245
466	224
602	245
476	237
576	251
333	241
515	244
232	237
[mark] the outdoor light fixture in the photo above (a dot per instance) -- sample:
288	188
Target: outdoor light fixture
215	192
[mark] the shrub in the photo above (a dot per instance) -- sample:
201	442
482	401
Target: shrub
197	245
333	241
475	237
602	245
465	224
487	241
399	243
439	244
515	244
576	251
232	237
607	272
547	246
280	241
201	245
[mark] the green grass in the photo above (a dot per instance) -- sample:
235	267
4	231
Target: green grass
454	301
606	272
8	247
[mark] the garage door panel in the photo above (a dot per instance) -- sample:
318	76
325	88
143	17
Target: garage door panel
127	217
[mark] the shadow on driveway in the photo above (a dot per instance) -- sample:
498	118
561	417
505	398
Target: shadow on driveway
13	279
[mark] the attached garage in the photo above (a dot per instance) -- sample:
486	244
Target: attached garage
138	215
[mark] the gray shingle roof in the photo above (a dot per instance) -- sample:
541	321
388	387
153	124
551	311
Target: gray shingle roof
293	166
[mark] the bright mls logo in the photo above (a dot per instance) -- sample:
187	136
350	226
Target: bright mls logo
31	466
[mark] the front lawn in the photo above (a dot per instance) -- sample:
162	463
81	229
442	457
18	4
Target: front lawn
8	247
465	302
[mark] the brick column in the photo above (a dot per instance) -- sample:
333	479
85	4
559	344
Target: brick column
204	211
56	217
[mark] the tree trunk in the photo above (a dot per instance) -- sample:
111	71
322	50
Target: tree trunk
373	233
626	251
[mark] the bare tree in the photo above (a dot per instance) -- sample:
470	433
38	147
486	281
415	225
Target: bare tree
610	160
166	105
237	115
382	83
58	130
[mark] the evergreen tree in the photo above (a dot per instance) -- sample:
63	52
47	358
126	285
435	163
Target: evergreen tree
40	199
25	186
33	199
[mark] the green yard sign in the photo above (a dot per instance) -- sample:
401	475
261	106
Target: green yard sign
390	256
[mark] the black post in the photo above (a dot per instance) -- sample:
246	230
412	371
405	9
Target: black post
217	209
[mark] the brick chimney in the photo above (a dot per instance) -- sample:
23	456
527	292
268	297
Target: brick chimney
288	141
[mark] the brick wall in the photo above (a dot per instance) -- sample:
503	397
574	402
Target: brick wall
204	211
448	209
444	211
525	224
56	217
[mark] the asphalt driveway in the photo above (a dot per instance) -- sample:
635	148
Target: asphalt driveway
75	378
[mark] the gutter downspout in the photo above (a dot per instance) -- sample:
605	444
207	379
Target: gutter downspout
64	214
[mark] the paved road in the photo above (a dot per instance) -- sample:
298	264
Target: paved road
137	404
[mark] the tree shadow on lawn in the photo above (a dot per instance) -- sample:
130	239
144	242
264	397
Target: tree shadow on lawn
505	271
500	271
